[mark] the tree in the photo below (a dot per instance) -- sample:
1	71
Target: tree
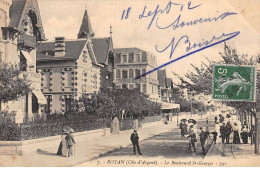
110	103
13	84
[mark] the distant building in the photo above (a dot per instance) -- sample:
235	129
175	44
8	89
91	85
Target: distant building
72	68
169	107
103	49
21	30
130	63
165	87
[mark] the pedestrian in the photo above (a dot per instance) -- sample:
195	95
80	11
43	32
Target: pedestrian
192	141
183	127
244	134
236	139
203	137
221	119
216	132
228	131
223	132
135	141
190	129
216	119
63	147
71	142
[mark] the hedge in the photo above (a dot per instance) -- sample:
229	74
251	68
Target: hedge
53	125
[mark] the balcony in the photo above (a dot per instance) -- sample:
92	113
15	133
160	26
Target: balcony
27	41
130	80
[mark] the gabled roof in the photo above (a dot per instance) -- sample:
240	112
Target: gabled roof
126	50
18	11
85	28
101	47
15	13
73	50
162	78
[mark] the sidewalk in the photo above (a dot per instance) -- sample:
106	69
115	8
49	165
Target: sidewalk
231	150
86	150
90	149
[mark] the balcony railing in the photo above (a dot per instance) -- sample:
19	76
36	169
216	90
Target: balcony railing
27	41
130	80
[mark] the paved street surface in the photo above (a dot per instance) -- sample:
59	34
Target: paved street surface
165	146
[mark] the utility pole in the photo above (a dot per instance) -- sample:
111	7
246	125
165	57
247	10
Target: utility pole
191	98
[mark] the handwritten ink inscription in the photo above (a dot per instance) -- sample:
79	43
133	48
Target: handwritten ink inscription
154	16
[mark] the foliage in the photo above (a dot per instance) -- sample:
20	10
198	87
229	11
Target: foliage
12	83
52	126
110	103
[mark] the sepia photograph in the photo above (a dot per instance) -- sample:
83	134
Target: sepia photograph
129	83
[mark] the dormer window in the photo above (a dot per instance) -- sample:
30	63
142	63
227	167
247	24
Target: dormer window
85	56
124	57
137	58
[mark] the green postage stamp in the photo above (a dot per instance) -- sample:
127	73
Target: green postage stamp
234	83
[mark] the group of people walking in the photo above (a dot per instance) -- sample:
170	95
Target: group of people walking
188	130
67	143
227	128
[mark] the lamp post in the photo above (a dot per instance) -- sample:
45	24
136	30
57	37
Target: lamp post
191	98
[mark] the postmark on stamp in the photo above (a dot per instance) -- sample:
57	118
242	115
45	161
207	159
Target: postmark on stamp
234	83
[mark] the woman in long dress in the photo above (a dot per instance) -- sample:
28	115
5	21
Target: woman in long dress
244	134
236	139
63	147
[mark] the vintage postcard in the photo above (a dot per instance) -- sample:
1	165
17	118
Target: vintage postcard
129	83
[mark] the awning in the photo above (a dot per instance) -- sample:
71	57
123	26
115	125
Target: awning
40	97
170	105
27	56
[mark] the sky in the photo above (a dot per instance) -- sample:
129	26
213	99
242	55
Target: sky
63	18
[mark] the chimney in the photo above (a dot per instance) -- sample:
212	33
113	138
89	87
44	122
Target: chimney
59	46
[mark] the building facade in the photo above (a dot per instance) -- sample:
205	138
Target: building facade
72	68
165	87
21	31
130	63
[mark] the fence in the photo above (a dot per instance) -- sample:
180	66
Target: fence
9	131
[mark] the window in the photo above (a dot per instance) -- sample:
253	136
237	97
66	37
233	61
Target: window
85	55
138	86
131	73
68	104
124	74
131	86
137	73
144	88
23	63
124	58
47	107
131	58
68	77
137	58
46	79
118	75
143	71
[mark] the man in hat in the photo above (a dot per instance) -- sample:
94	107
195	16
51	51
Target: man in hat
71	142
192	140
223	132
135	141
203	137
